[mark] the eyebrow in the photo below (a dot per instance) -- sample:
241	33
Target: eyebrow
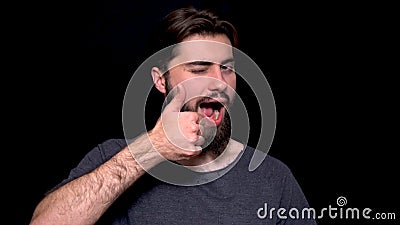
208	63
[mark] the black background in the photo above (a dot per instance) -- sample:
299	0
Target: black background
331	68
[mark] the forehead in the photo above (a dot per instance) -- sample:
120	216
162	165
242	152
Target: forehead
215	49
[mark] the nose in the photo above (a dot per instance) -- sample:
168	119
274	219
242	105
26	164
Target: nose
218	82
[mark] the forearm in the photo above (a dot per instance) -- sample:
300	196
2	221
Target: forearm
85	199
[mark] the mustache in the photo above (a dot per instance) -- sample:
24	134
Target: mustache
214	95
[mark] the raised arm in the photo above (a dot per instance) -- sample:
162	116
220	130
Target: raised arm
85	199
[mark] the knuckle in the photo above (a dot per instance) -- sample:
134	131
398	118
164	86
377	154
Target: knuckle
193	138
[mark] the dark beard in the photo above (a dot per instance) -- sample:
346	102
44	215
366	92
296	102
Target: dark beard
221	139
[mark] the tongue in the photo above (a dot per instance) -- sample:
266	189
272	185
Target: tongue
208	111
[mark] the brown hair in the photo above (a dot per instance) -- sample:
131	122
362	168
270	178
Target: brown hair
185	22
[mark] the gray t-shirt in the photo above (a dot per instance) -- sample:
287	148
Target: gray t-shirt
237	197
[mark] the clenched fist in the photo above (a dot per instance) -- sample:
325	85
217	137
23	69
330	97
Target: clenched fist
177	135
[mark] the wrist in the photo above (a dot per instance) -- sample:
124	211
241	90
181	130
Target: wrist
144	151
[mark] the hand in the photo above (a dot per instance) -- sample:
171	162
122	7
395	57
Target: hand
176	135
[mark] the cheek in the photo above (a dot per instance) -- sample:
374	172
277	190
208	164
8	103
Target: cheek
231	81
231	90
177	76
173	81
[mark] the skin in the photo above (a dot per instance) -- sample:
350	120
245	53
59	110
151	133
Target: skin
85	199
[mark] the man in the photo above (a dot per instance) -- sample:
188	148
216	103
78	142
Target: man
113	184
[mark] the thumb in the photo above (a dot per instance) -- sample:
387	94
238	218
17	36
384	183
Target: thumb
176	99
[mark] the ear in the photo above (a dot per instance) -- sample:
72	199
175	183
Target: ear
158	79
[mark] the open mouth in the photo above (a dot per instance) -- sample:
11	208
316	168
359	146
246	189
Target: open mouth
212	110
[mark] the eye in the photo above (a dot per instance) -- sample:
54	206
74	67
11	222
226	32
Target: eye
227	68
198	71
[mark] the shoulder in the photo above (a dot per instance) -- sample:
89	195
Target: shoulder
277	177
272	171
270	165
94	158
101	153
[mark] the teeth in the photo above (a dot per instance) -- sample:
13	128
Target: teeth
216	114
